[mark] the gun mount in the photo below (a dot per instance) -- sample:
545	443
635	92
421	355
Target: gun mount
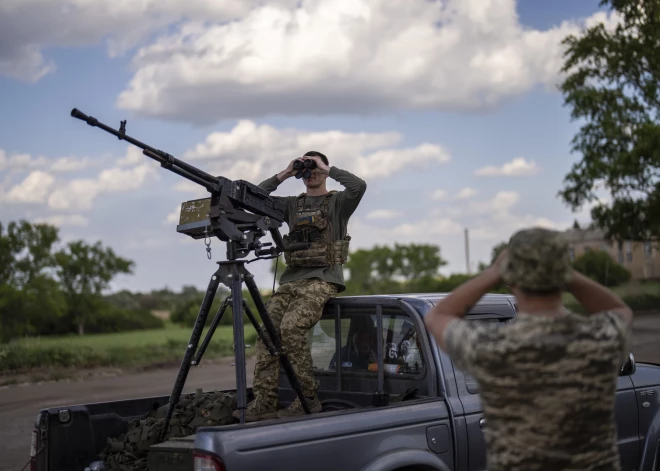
240	214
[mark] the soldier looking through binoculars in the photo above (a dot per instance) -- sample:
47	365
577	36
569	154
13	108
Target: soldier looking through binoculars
313	275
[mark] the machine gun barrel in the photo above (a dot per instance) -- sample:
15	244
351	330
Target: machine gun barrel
166	160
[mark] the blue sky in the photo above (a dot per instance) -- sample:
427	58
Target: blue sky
449	111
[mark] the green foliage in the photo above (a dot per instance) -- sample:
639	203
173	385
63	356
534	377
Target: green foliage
44	291
601	267
613	87
391	269
29	295
85	271
452	282
186	311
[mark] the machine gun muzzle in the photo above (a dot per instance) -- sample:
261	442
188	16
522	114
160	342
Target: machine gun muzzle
76	113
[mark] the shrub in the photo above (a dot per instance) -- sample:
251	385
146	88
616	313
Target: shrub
113	319
601	267
636	302
452	282
185	312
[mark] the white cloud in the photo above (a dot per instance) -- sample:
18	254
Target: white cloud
498	205
187	186
466	193
490	220
174	216
65	220
384	214
28	26
24	161
517	167
334	56
20	161
439	194
252	152
71	164
79	194
134	156
366	235
33	189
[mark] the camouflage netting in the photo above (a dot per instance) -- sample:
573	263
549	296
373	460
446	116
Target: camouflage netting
130	451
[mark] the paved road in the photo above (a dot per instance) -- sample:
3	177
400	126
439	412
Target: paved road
19	405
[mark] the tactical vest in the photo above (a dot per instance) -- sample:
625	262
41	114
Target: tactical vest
315	227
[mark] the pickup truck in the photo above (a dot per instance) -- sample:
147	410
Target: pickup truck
414	411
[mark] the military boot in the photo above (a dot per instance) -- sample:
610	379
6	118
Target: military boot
296	408
259	409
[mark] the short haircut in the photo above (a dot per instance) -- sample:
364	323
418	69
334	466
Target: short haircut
313	153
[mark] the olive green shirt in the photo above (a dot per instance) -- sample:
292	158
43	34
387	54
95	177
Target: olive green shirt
341	206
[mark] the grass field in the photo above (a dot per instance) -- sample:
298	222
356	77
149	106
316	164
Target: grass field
136	338
145	348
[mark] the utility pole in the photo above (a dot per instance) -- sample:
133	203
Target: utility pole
467	253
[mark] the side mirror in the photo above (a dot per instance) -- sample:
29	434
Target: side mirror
628	367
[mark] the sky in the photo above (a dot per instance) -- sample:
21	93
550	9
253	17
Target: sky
449	110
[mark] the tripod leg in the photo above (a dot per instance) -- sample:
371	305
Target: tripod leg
268	324
209	334
239	340
190	350
260	332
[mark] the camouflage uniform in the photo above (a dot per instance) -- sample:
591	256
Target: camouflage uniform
295	308
547	383
310	279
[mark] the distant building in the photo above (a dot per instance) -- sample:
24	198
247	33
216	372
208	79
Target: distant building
640	258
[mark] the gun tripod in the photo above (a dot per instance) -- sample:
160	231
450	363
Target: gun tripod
232	274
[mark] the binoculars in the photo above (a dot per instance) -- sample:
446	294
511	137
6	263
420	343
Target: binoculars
304	167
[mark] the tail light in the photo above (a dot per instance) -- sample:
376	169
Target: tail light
204	462
34	449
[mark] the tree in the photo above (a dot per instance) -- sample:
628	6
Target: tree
613	87
418	260
378	269
601	267
85	271
25	251
29	296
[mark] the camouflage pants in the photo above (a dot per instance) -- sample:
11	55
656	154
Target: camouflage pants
294	309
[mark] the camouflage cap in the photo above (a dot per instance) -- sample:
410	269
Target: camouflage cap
537	259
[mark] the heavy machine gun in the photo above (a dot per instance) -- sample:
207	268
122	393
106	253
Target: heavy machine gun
240	214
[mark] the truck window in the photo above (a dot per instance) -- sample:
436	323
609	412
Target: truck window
402	353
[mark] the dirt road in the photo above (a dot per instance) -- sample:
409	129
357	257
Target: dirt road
19	404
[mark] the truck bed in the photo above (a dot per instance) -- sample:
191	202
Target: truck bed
419	427
77	434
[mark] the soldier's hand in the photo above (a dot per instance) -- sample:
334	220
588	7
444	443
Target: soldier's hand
287	172
323	168
496	267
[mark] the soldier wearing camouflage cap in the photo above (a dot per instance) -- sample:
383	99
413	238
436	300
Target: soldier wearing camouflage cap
312	276
547	378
